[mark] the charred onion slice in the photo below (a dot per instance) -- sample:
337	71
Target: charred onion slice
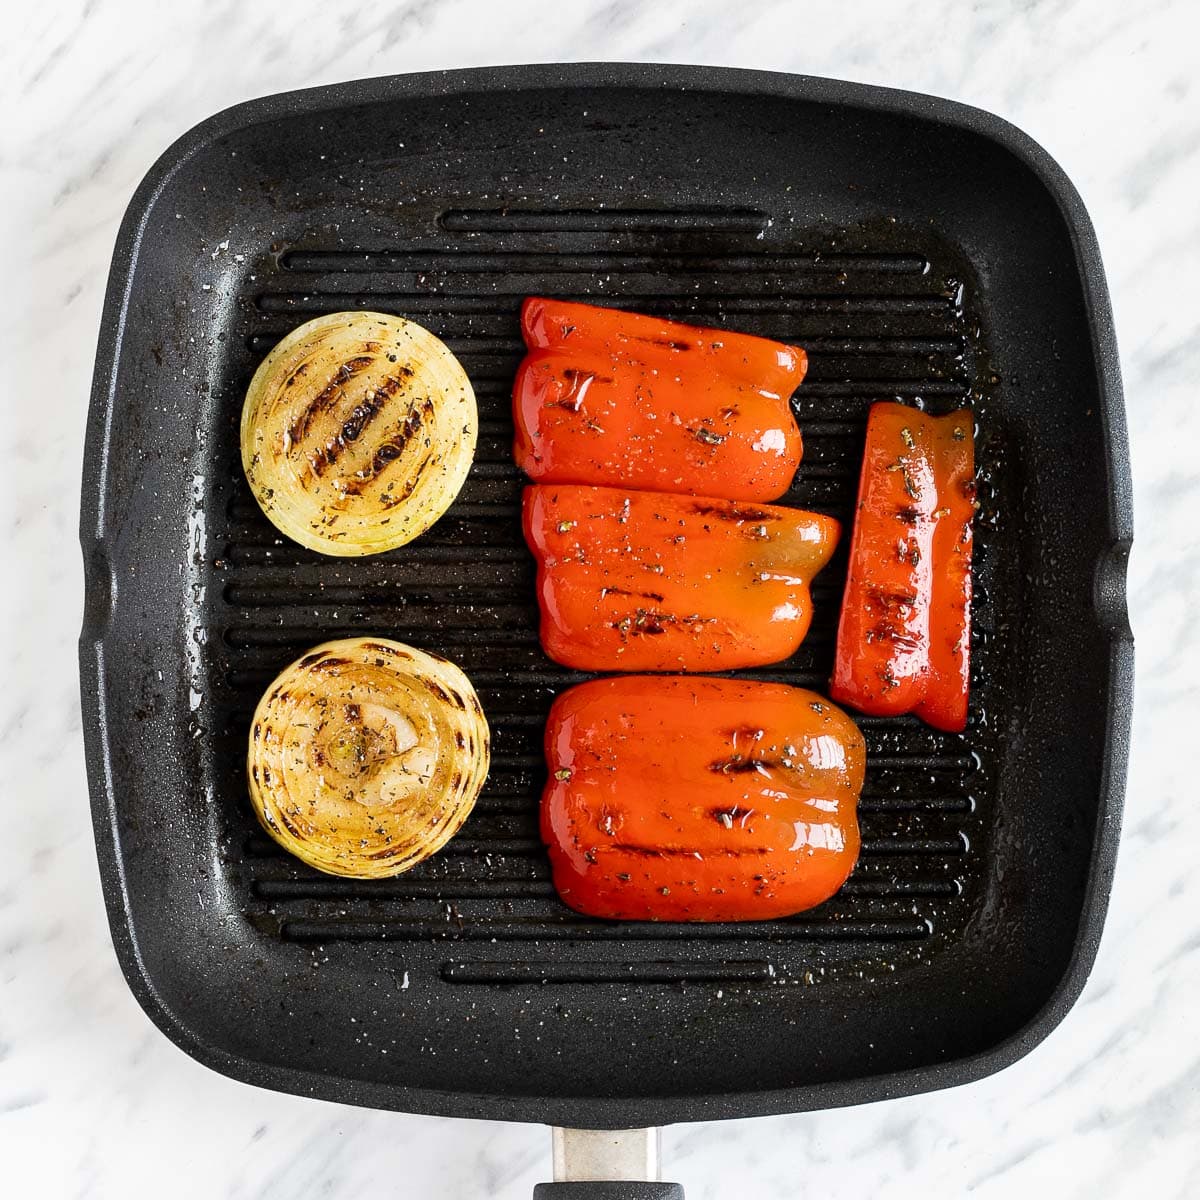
366	756
357	432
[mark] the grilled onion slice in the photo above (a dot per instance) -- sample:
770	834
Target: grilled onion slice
357	432
366	756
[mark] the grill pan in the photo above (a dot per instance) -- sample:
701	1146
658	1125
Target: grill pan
918	249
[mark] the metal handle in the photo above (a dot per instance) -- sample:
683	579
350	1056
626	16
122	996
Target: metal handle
607	1164
626	1189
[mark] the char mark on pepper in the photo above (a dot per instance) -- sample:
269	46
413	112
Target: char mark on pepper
734	512
683	852
744	764
618	591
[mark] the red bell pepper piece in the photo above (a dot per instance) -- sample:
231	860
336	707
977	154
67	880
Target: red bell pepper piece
904	635
645	581
619	399
675	798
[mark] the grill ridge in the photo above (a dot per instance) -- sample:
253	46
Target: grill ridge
566	220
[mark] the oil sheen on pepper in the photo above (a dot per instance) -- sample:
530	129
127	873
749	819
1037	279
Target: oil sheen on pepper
904	634
643	581
621	399
676	798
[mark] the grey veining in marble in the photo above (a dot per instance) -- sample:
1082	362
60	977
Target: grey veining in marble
96	1103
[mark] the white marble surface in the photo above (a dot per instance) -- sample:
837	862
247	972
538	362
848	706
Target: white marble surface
93	1101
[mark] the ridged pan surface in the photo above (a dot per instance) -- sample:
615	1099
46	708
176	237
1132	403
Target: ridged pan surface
918	251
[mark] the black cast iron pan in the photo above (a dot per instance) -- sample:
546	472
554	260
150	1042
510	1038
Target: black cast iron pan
918	249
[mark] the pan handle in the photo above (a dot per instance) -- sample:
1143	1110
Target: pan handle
610	1189
607	1164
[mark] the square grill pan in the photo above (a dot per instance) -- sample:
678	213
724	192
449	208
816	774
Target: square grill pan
918	250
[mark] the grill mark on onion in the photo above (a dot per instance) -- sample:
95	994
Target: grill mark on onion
411	486
325	398
281	817
360	417
327	664
388	852
392	450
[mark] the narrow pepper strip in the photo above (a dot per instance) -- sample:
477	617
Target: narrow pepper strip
639	581
676	798
620	399
904	634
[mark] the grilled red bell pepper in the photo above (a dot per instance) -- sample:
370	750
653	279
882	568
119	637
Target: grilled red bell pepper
903	639
644	581
619	399
676	798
